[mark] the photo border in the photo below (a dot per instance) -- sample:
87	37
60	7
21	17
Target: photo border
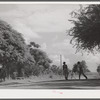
27	94
50	0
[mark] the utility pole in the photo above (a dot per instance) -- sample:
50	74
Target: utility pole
60	60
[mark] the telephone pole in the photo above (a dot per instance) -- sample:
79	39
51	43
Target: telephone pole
61	60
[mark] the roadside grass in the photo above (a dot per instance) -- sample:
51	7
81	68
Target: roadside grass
48	77
54	82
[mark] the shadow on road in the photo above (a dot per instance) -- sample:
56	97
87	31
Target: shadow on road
56	84
70	84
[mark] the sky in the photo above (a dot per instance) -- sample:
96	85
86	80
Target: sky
47	25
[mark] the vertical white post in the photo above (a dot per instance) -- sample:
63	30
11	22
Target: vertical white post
60	60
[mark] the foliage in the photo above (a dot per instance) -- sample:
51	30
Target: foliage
13	50
85	67
86	29
42	61
40	56
56	70
98	69
75	68
33	44
18	57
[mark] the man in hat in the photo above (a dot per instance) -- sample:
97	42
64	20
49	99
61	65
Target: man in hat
65	70
81	71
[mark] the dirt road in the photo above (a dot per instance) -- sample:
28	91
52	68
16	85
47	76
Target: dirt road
53	84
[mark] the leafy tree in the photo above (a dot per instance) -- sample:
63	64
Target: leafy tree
98	69
75	68
40	57
60	71
28	65
86	28
13	50
33	44
85	67
54	69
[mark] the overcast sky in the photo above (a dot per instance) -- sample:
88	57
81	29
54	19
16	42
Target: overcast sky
46	24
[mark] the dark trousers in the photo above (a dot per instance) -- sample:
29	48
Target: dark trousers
82	73
66	74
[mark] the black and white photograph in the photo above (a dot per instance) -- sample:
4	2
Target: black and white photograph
50	46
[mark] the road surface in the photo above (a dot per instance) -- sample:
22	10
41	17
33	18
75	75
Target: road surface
52	84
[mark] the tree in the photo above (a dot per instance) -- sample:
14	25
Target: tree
40	57
29	64
54	69
75	68
13	50
85	67
60	71
98	69
86	29
33	44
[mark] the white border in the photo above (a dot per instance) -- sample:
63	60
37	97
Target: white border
77	2
20	93
45	93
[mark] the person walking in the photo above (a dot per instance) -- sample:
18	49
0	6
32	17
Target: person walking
81	71
65	70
